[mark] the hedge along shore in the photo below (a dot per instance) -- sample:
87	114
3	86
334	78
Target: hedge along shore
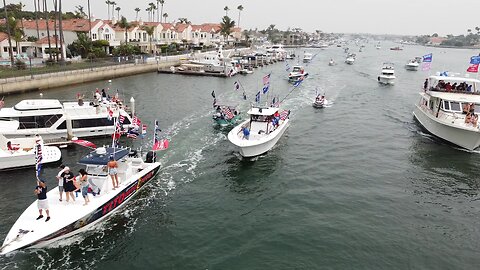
59	79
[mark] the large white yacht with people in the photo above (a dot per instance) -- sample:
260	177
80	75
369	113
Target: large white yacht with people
387	75
54	120
448	109
32	231
260	132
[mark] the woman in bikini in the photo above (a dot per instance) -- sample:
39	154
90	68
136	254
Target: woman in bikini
112	171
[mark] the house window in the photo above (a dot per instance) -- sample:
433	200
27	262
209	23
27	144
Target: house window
107	36
5	49
144	36
164	36
94	36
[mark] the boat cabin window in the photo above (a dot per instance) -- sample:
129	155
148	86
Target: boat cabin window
40	121
446	105
259	118
88	123
431	105
63	125
455	106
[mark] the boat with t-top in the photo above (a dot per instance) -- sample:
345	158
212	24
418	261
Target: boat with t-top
261	131
68	219
450	113
307	57
297	73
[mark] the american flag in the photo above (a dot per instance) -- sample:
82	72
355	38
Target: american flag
284	114
266	79
228	113
110	114
136	121
38	156
121	119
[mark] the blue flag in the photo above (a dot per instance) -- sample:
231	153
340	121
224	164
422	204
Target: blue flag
475	60
265	88
257	97
427	58
298	82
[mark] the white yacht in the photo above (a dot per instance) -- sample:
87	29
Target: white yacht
378	46
278	51
387	75
331	62
350	59
412	65
54	120
296	73
214	62
68	219
18	153
444	113
307	57
261	132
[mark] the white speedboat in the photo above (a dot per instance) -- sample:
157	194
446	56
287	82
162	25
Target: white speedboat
246	70
319	102
296	73
412	65
378	46
387	75
331	62
307	57
53	120
444	113
71	218
18	153
261	132
350	59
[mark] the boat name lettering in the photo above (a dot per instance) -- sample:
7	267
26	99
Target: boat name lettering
118	199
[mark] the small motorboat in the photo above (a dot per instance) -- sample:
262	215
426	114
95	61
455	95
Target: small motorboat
226	115
307	57
261	132
350	59
246	70
396	48
319	102
297	73
17	153
412	65
331	62
68	220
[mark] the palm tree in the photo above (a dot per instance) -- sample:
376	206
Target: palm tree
149	30
161	10
36	17
477	29
184	20
113	8
152	8
240	9
10	49
55	28
136	13
108	7
118	11
226	27
165	16
89	22
123	23
45	10
226	10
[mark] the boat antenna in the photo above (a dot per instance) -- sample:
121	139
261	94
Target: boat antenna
294	87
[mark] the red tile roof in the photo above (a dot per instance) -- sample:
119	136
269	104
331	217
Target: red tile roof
44	40
167	26
74	25
3	36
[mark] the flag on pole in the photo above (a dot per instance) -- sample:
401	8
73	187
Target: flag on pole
136	121
266	79
265	88
110	114
236	85
257	97
473	68
284	114
121	119
427	62
38	155
475	60
213	93
244	96
84	143
160	145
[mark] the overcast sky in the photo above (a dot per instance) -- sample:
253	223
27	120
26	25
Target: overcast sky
346	16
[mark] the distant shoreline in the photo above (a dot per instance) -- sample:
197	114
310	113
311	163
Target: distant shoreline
453	47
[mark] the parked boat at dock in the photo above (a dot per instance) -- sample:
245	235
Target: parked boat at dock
261	132
73	218
449	114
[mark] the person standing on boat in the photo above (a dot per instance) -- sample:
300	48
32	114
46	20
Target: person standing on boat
42	202
68	184
246	133
60	180
112	171
425	85
84	185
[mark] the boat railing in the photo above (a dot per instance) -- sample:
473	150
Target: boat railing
436	89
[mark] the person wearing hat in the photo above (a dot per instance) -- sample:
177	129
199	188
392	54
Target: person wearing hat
112	171
42	202
60	180
68	184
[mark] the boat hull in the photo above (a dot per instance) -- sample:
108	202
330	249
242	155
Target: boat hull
248	148
22	159
117	200
468	139
411	68
386	80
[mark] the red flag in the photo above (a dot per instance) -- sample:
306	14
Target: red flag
473	68
160	145
84	143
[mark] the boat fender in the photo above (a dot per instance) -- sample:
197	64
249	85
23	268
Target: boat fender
378	78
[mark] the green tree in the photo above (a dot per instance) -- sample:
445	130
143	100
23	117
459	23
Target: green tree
165	16
226	10
240	9
162	2
123	23
149	30
118	11
136	13
226	27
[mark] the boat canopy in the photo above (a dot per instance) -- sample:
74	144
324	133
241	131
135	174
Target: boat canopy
454	79
262	111
461	97
101	155
38	104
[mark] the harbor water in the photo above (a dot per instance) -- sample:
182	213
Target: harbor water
357	185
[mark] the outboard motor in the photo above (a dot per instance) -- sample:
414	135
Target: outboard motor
133	153
151	157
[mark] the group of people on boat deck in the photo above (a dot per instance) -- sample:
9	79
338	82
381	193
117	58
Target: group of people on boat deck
462	87
471	117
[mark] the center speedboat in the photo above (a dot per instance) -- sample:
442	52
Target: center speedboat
261	132
18	153
54	120
350	59
296	73
451	114
412	65
331	62
71	218
320	102
307	57
226	115
387	75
